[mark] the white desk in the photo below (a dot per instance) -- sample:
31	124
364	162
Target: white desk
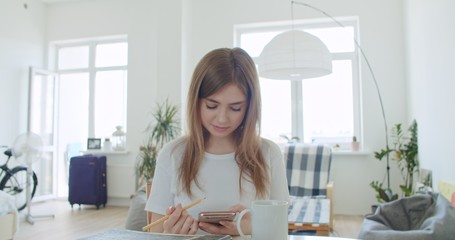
301	237
123	234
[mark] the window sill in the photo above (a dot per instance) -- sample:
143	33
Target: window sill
103	152
350	153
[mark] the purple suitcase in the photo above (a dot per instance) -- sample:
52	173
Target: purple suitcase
87	180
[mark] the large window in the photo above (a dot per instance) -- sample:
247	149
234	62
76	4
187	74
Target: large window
90	96
324	109
93	79
92	91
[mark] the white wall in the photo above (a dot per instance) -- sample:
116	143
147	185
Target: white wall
154	65
167	38
212	23
22	32
430	57
153	68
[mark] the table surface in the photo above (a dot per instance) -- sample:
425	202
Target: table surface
124	234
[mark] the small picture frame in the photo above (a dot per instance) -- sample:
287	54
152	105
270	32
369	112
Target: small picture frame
93	143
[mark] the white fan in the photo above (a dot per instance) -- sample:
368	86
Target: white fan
27	149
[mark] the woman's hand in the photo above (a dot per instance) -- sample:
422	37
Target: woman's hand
229	227
179	221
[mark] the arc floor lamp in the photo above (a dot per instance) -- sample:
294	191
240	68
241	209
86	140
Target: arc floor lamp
297	55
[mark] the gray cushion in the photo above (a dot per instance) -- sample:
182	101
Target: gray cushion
421	217
137	217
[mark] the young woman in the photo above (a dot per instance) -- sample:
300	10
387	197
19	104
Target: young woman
222	158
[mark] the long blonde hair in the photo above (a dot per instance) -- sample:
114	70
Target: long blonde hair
216	70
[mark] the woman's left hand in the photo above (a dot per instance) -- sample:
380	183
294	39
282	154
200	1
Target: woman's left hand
179	221
227	227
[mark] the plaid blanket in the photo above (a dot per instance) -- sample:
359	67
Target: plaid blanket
309	210
307	168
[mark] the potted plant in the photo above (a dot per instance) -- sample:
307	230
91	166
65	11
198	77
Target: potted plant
294	139
404	152
163	128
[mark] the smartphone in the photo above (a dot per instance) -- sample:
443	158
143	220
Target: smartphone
215	217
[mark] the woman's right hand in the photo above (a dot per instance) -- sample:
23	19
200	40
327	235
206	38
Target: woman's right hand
229	227
179	221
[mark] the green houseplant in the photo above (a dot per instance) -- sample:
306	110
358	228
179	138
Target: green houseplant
294	139
163	128
405	153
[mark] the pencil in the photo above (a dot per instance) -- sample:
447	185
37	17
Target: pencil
165	217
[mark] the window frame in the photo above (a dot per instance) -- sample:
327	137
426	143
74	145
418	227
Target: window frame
91	70
296	86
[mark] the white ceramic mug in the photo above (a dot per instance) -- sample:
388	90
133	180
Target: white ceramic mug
269	220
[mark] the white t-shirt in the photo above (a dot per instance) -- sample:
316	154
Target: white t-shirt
218	178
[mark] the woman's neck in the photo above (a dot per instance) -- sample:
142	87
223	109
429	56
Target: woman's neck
220	145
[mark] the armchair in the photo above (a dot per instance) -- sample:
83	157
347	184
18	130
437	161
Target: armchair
307	171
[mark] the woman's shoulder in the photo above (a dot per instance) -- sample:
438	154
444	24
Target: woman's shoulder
177	144
269	146
171	152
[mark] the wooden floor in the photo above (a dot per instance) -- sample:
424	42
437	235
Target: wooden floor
69	223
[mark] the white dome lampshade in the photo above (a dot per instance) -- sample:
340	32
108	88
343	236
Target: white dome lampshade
294	55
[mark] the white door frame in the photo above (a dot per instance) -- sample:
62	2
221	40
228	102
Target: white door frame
42	117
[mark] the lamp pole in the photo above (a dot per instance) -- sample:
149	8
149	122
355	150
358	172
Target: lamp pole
374	80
